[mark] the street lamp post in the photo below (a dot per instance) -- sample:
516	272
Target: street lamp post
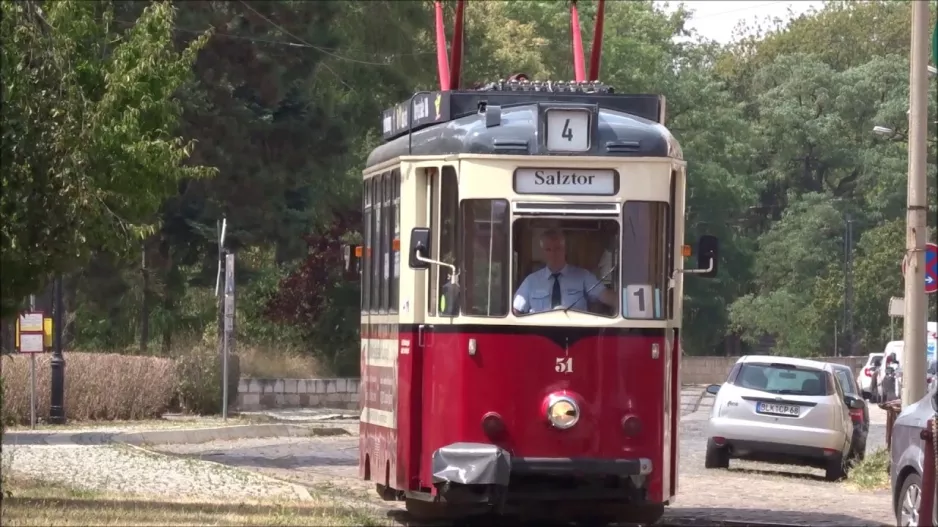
57	363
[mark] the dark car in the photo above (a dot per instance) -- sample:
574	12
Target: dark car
932	373
860	417
908	457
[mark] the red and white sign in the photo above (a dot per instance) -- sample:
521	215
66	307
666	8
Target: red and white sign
931	268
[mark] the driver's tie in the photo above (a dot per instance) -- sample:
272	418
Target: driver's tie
555	297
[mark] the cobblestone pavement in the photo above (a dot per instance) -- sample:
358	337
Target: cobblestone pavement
753	492
122	468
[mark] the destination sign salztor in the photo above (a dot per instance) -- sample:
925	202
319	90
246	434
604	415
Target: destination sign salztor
566	181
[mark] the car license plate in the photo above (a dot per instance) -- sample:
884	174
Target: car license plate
778	409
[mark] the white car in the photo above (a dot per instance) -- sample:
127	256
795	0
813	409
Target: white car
865	375
782	410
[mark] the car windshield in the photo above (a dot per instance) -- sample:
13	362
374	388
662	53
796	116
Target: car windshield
877	361
783	379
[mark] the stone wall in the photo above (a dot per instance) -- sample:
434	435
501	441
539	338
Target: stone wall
264	394
713	370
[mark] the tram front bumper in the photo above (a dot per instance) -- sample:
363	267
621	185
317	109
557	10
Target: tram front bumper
486	464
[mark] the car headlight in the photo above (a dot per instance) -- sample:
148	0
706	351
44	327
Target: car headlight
562	412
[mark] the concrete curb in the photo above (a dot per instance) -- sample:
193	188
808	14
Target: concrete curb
170	437
226	433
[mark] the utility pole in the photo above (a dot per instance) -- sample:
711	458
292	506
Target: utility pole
848	286
145	308
913	386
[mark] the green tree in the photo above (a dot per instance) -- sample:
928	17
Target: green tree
90	138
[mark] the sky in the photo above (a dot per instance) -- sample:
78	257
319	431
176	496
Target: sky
715	19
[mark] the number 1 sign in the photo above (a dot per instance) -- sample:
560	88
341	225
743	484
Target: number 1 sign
638	301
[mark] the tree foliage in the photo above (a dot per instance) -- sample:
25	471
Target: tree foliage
90	140
282	99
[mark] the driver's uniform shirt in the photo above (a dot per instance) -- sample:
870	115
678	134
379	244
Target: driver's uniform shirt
534	294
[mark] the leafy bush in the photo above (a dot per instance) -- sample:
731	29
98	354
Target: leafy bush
320	297
199	380
104	386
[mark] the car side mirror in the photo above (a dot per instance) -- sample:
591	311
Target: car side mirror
713	389
708	255
853	403
419	248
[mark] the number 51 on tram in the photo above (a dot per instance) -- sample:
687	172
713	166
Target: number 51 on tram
522	282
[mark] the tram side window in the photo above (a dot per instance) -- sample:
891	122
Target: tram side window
485	267
670	243
366	252
644	259
377	249
396	260
433	209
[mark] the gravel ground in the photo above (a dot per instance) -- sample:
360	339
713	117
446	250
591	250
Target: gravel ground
121	468
246	469
756	492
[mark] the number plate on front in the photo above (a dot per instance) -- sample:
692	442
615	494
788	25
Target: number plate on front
568	130
778	409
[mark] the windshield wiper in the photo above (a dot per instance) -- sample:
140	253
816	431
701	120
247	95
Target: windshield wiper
609	272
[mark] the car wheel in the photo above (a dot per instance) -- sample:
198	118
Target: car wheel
910	497
717	457
836	469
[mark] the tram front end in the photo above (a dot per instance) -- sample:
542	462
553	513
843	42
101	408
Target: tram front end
539	304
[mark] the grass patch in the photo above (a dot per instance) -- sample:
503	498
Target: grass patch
40	503
873	472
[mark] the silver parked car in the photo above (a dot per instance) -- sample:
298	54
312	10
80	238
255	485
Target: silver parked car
782	410
907	457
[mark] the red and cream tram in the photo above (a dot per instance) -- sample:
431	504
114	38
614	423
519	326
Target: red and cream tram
522	276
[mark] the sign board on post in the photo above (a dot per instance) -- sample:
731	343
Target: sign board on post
897	306
30	333
931	268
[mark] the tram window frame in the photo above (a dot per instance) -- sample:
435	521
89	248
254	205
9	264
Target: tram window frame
367	242
386	269
395	292
656	232
447	242
466	239
377	249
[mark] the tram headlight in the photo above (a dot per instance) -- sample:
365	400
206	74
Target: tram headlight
562	411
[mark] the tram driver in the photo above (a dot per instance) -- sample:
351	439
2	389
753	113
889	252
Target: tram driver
559	284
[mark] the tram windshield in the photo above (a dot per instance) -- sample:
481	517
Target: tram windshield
561	264
607	266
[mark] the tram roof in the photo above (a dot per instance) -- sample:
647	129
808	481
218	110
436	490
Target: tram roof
507	122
